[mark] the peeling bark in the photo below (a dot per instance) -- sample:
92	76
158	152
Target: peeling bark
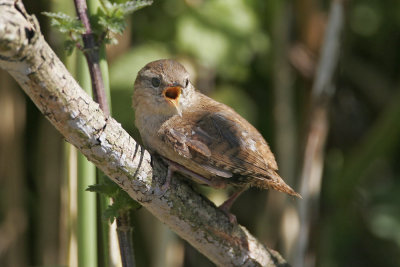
28	58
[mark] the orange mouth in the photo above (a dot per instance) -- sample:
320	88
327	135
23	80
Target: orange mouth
172	93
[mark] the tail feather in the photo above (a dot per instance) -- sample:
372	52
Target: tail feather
273	180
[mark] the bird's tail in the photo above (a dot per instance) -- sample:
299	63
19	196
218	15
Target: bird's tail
273	180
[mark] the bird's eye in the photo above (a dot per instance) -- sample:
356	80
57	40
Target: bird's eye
186	83
155	82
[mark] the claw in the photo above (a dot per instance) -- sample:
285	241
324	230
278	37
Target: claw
226	206
167	183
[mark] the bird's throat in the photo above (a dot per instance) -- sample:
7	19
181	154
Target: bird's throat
172	96
172	93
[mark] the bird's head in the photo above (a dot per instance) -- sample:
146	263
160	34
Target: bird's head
163	87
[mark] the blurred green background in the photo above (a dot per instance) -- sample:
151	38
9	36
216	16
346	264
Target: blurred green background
260	58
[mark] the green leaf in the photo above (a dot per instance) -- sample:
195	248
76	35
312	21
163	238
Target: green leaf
69	46
111	40
112	17
122	203
123	9
73	27
121	200
65	23
111	213
109	19
107	189
132	6
113	24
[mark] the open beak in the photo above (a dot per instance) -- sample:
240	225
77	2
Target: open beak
172	95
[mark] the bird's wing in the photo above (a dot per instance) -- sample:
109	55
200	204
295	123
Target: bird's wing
187	146
220	144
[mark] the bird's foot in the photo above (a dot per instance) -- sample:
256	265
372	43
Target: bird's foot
226	206
231	217
167	182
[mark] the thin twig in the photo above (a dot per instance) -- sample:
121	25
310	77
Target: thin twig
91	52
322	91
124	231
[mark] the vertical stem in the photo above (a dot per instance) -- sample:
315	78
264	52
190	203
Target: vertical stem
322	91
87	212
91	51
102	89
68	207
71	214
284	121
87	230
124	231
311	180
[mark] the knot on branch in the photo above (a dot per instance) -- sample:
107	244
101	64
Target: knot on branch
18	30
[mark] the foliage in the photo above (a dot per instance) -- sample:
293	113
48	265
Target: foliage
109	20
122	202
73	27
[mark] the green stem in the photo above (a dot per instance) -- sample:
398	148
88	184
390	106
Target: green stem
87	213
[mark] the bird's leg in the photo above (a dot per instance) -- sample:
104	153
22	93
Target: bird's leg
170	172
226	206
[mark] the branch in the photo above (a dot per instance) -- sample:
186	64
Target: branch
29	59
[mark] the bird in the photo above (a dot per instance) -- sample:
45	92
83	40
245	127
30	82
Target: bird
204	140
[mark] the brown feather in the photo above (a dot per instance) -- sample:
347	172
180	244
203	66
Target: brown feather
218	140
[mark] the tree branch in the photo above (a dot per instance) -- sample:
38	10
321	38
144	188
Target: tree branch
28	58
